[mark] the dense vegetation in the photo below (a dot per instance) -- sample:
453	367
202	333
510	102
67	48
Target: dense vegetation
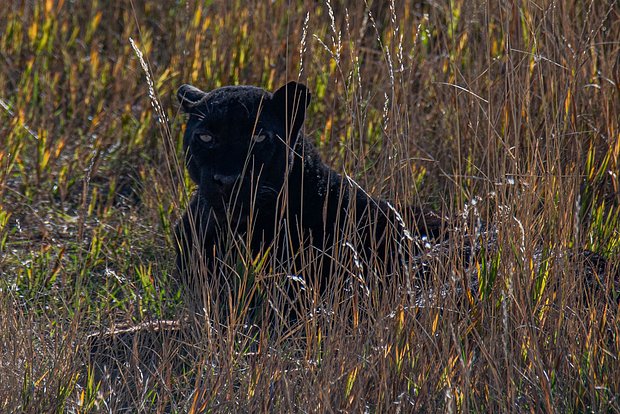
507	113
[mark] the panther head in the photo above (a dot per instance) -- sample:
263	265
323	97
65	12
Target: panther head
239	144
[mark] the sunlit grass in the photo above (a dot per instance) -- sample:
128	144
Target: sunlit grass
507	115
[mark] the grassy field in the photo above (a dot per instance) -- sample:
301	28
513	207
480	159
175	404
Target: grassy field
507	112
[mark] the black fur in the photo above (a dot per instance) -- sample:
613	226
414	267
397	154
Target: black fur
279	186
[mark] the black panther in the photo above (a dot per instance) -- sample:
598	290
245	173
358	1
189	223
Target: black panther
260	180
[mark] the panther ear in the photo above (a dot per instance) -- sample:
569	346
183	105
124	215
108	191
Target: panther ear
189	96
291	100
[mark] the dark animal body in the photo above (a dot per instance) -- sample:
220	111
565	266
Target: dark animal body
259	179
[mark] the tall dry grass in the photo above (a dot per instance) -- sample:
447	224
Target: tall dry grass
506	113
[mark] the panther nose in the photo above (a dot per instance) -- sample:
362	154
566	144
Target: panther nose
225	183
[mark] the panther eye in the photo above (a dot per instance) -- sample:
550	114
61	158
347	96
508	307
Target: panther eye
206	138
259	137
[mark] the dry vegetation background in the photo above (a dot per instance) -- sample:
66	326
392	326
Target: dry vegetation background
506	111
